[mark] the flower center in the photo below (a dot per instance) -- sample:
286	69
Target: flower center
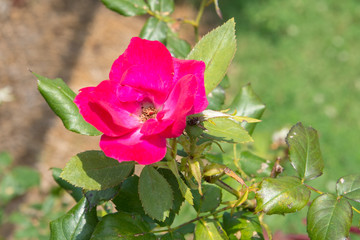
148	113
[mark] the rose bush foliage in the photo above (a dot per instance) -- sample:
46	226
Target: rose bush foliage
143	109
147	98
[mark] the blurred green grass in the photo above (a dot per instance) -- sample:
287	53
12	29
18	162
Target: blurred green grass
303	60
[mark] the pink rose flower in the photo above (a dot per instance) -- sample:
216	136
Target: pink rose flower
146	100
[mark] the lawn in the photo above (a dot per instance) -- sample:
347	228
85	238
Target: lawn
302	59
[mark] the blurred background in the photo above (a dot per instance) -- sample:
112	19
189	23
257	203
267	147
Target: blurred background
301	57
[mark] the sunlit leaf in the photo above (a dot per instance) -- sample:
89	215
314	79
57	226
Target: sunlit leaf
92	170
223	129
61	100
209	230
127	7
75	192
329	218
155	193
304	150
216	49
242	225
75	224
211	114
349	187
247	103
154	29
122	226
164	7
196	172
282	195
184	189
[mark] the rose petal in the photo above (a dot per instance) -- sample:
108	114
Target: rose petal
139	77
100	107
148	57
196	68
176	107
134	147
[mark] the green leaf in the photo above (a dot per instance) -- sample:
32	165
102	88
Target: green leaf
196	172
154	29
164	7
123	226
178	48
17	182
211	114
5	160
210	230
329	218
173	236
155	193
171	179
92	170
210	199
247	103
97	197
225	159
216	49
127	7
281	195
222	129
253	165
184	189
61	100
75	224
349	187
242	225
75	192
304	150
128	198
216	98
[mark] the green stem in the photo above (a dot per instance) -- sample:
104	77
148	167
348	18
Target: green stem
356	210
313	189
236	162
265	226
227	188
160	165
198	18
193	220
173	145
